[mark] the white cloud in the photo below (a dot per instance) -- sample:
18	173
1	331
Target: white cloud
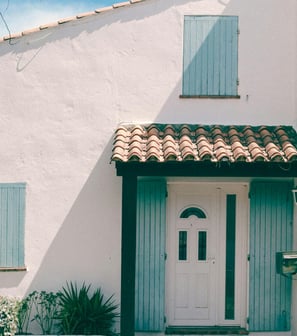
26	14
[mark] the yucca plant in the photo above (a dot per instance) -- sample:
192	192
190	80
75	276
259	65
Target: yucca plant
84	314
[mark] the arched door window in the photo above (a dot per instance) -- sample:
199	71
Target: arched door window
192	211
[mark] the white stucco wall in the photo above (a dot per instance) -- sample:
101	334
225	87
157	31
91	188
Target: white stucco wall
64	91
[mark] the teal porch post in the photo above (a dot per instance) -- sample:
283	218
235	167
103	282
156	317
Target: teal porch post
129	209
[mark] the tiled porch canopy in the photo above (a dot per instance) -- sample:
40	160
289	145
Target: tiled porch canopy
213	143
166	150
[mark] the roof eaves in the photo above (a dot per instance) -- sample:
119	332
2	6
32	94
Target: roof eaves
69	19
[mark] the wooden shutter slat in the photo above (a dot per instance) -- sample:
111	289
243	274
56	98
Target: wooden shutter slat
210	56
270	232
150	256
12	212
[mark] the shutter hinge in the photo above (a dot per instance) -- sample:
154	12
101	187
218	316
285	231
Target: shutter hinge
165	256
237	82
248	257
165	319
249	195
238	31
166	193
247	320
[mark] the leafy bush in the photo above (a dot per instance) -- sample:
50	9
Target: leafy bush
46	305
24	315
40	307
84	314
8	315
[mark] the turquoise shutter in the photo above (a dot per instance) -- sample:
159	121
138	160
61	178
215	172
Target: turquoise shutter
12	212
270	231
210	56
150	256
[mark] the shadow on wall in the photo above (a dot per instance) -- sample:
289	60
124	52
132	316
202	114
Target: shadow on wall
254	101
86	247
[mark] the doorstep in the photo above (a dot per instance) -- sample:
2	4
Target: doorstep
216	330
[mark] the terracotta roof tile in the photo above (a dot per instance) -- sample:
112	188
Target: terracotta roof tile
103	9
169	142
121	4
67	19
82	15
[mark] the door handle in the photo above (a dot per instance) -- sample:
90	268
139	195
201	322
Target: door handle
212	260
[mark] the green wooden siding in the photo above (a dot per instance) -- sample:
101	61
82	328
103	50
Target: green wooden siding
12	212
150	256
210	56
271	215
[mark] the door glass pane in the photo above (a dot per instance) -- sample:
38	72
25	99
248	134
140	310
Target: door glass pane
230	258
182	245
202	242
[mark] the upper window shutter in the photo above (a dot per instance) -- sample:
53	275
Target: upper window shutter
12	214
210	56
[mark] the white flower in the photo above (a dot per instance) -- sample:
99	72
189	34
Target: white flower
8	315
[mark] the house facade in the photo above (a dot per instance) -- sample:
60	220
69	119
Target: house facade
150	148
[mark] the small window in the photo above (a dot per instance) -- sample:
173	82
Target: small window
12	215
182	245
230	257
193	211
202	245
210	57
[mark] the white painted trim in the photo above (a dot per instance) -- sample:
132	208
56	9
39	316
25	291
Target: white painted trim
241	191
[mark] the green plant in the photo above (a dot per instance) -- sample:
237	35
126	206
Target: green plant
46	305
8	315
81	313
24	313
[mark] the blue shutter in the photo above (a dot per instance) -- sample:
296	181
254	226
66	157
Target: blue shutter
12	212
270	231
150	256
210	56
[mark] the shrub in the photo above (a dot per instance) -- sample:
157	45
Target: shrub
84	314
46	305
24	315
8	315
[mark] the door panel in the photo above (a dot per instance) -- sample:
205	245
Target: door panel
196	267
194	263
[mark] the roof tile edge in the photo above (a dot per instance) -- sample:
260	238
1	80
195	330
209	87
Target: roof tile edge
103	9
121	4
82	15
68	19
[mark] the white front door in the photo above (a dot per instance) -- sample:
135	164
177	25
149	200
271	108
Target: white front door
205	283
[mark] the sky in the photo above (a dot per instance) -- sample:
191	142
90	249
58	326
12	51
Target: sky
19	15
